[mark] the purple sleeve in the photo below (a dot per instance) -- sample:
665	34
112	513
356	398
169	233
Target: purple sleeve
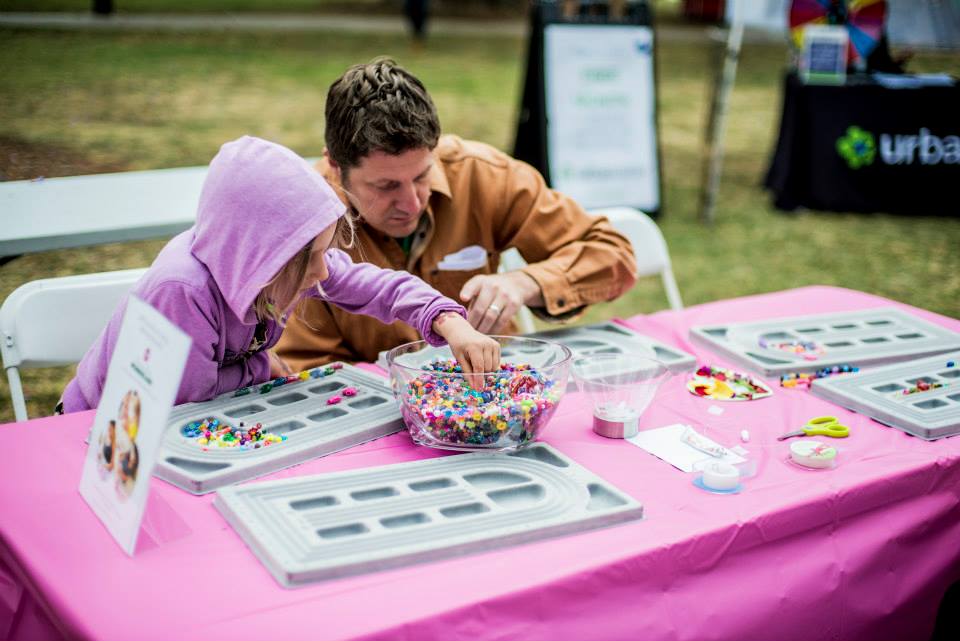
202	377
385	294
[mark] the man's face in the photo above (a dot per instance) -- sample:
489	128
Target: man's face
389	192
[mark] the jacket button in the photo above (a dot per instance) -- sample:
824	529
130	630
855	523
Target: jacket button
561	302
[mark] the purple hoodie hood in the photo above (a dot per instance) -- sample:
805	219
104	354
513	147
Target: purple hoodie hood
260	205
252	184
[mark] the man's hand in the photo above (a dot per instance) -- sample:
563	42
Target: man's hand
493	299
475	352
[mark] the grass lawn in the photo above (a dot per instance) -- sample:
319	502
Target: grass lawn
481	8
74	102
191	6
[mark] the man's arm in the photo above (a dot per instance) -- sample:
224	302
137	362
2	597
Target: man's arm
574	259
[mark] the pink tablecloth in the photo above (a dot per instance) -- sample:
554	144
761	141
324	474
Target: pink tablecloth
864	551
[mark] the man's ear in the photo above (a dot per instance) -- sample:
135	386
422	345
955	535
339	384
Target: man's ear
332	164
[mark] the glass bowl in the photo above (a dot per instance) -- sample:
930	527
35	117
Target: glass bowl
620	385
441	409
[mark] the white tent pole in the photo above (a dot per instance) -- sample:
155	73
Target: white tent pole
718	116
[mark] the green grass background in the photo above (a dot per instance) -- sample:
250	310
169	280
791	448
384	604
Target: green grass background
200	6
83	102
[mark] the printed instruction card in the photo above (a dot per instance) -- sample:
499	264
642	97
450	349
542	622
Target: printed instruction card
139	391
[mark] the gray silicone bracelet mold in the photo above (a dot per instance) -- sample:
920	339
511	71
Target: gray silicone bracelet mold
320	527
893	395
297	410
862	338
609	337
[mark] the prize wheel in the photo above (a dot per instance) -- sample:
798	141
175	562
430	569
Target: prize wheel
864	20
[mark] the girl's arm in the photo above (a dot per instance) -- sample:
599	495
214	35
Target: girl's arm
386	294
390	295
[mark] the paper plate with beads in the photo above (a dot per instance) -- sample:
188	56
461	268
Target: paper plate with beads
719	384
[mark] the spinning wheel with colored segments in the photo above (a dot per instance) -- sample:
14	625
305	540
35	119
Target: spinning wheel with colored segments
864	20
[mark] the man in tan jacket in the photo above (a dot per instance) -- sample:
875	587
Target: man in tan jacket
444	209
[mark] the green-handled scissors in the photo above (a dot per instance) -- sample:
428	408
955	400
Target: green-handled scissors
820	426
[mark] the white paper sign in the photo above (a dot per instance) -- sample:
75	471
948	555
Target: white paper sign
824	55
766	15
139	390
601	126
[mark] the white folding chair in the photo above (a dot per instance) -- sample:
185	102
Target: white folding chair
53	321
649	247
511	260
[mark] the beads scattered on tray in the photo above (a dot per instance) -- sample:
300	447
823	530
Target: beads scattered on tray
214	433
336	398
922	386
803	379
809	350
513	404
269	386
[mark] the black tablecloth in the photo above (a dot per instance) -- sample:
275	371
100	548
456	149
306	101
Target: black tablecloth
864	148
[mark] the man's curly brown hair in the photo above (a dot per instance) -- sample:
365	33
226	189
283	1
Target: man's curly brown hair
378	106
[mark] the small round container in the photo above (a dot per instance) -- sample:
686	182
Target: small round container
812	455
441	409
718	477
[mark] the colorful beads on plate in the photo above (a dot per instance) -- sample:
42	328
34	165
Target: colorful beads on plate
722	384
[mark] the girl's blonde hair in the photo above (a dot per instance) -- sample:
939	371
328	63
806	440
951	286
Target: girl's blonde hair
277	296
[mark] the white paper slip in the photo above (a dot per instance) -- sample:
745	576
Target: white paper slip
467	259
666	443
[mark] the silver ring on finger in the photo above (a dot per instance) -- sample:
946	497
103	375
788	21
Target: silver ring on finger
495	309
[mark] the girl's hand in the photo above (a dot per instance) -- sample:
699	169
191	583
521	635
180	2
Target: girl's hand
278	367
475	352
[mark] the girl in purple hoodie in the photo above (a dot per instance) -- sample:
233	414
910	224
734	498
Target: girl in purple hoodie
266	235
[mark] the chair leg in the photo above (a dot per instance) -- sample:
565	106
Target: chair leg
525	320
673	293
16	394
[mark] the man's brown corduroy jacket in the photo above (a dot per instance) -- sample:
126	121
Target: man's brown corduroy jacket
479	196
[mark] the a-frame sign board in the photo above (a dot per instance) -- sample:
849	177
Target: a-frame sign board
588	120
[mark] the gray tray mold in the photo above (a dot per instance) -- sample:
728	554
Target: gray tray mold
878	393
600	338
863	338
332	525
298	411
609	337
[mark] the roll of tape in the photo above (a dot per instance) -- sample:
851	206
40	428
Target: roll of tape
718	475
